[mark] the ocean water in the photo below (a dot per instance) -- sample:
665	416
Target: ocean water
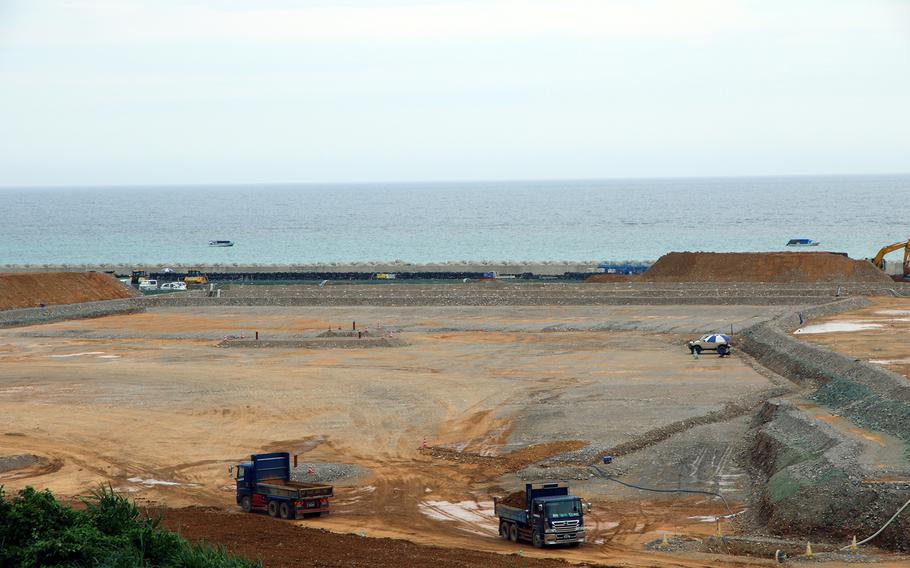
637	219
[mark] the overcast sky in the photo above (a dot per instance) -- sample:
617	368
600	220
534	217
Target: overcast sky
167	91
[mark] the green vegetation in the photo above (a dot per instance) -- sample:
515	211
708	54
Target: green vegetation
38	531
782	485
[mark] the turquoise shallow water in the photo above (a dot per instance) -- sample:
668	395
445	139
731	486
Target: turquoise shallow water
434	222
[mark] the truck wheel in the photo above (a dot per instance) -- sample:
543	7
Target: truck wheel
504	530
696	349
246	504
722	350
284	511
537	541
273	508
513	532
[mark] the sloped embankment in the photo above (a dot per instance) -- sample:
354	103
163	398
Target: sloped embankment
867	394
816	484
32	289
815	487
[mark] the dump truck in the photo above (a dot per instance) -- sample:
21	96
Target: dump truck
544	514
264	484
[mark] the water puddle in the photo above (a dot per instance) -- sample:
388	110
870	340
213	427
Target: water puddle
475	517
904	361
153	482
76	354
836	327
715	518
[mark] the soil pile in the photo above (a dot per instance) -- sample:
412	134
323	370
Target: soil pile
280	544
778	267
517	499
32	289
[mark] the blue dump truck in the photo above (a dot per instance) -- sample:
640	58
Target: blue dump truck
543	514
264	484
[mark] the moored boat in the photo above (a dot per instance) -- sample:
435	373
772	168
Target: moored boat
802	243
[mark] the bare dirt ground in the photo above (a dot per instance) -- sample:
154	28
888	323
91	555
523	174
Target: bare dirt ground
256	537
879	334
148	403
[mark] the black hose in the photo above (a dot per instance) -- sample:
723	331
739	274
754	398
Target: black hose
609	477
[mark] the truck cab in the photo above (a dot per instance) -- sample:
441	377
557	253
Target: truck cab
549	516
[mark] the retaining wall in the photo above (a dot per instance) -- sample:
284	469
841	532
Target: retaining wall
479	299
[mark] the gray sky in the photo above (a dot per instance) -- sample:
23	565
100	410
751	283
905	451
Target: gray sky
167	91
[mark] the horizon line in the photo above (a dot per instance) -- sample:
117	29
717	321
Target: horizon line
440	181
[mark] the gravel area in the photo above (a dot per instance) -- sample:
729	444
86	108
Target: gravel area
10	463
328	472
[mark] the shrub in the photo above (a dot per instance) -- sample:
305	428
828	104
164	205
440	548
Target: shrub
111	532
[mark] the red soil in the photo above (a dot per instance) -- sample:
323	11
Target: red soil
777	267
281	544
30	289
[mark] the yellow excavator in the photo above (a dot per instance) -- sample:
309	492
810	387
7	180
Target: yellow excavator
195	278
879	259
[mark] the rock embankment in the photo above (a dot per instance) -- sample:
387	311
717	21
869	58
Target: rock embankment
50	314
817	479
815	485
515	293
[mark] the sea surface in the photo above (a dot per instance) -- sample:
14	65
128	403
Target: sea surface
618	220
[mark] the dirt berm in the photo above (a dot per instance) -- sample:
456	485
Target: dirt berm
31	289
780	267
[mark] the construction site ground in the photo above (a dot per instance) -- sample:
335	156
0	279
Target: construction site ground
476	399
878	334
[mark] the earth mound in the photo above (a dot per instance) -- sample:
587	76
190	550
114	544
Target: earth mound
776	267
32	289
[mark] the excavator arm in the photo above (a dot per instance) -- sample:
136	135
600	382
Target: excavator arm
880	257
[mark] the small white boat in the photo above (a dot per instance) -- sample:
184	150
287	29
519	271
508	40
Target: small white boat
221	243
802	243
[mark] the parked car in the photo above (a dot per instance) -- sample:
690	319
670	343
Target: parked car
711	342
174	286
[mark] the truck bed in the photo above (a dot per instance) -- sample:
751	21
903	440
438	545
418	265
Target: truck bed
509	513
294	489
